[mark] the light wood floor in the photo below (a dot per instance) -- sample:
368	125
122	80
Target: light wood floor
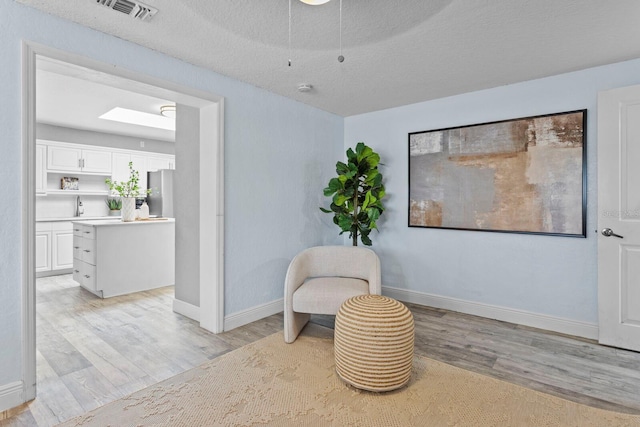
93	351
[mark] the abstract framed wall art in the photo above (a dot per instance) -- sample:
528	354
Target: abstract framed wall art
525	175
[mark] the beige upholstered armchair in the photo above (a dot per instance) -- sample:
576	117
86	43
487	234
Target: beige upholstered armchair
320	279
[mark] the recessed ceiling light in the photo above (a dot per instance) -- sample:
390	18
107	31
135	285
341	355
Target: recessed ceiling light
124	115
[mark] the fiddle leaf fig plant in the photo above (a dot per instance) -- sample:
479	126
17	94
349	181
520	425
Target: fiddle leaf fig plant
357	194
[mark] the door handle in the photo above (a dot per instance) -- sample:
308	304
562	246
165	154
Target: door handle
609	232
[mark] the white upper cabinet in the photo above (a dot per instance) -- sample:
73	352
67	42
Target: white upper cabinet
121	167
64	158
97	161
68	158
160	162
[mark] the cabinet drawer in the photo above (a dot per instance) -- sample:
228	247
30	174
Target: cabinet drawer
77	274
77	230
88	248
89	276
85	274
77	248
86	231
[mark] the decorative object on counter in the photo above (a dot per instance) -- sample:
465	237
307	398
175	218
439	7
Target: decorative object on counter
128	191
115	205
69	183
357	192
144	211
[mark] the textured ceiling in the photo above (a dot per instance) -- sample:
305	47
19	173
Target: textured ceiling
397	51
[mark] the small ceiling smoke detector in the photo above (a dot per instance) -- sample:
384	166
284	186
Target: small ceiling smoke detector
134	9
304	87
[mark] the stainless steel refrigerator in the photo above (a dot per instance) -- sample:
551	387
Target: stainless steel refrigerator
160	200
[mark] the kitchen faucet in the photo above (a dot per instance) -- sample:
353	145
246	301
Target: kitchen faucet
79	207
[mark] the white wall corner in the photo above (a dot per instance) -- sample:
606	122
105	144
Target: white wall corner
189	310
252	314
11	395
520	317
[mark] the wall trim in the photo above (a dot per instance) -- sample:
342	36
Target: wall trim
252	314
520	317
11	395
188	310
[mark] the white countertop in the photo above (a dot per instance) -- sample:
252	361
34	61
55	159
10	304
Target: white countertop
77	218
113	222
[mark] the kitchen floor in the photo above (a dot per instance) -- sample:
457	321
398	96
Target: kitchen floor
93	351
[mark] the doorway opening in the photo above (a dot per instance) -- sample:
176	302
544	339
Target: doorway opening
203	110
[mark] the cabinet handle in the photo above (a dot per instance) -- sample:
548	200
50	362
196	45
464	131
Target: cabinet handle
87	250
86	232
87	276
76	247
76	229
76	271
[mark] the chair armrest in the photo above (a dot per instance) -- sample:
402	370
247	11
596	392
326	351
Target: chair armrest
297	273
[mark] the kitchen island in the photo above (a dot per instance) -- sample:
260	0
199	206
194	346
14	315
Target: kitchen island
111	257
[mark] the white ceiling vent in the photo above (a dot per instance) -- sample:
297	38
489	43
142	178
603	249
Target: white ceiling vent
134	9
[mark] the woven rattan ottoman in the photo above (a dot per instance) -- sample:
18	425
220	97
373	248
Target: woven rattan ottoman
374	343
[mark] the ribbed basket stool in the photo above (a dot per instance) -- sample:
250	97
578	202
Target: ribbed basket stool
374	343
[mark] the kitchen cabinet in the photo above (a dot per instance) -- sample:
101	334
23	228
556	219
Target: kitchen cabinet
41	171
54	246
61	246
43	250
155	163
67	158
120	170
113	258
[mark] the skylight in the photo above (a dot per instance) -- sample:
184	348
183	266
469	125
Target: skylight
124	115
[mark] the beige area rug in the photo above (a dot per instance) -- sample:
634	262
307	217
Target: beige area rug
277	384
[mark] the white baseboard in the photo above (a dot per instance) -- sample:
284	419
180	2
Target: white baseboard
10	395
252	314
189	310
520	317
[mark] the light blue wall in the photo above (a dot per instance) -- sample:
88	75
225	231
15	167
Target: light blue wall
556	276
276	153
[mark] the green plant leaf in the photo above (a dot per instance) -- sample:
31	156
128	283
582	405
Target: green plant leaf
341	168
365	240
339	199
356	193
345	222
373	159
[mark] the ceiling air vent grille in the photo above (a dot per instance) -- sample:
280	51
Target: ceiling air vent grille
134	9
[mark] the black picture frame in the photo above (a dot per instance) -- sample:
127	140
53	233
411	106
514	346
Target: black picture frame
525	175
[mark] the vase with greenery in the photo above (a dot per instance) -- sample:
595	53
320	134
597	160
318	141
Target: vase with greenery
115	205
128	191
357	194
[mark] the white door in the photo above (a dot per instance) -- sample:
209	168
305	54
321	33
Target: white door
619	217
